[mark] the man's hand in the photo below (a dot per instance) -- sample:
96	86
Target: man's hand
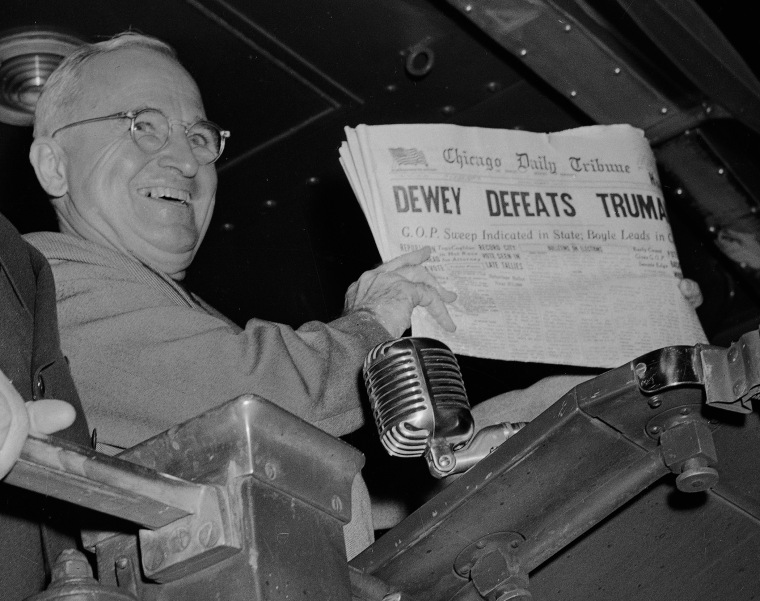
691	292
17	419
392	290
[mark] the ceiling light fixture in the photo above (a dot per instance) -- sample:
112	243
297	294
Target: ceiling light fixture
27	58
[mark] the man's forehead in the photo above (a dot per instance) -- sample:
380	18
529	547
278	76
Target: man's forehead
134	78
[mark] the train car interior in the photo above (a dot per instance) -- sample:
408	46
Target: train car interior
573	507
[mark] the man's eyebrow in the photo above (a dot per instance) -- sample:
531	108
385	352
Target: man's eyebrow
141	107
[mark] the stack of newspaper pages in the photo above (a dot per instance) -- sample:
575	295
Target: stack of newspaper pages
558	245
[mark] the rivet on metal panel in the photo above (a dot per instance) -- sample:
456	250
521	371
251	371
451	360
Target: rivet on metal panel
154	558
732	354
391	87
228	227
654	430
448	109
617	71
568	28
312	181
270	470
420	59
208	535
336	503
127	576
655	402
573	93
179	540
523	52
468	8
664	110
721	171
679	191
493	86
712	229
465	569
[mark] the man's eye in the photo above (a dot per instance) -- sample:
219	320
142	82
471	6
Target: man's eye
145	127
198	139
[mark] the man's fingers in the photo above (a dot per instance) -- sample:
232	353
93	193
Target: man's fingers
416	257
448	296
434	304
392	290
690	291
47	416
418	273
14	424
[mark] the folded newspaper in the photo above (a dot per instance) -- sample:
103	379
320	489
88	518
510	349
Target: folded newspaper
558	245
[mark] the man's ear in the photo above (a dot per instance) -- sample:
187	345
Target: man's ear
49	162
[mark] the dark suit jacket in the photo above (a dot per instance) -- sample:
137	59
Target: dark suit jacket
31	357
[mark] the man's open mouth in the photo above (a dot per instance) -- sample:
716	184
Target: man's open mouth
171	194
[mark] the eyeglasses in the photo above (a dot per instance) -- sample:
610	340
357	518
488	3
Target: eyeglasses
150	130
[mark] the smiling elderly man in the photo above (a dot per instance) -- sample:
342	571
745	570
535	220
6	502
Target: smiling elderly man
123	148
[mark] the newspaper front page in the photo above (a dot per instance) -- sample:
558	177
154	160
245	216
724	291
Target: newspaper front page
558	245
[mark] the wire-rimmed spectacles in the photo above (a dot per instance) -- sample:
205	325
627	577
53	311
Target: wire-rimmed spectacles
150	130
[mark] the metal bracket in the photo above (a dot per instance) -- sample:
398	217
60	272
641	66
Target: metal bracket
731	377
191	543
494	568
444	461
440	459
667	368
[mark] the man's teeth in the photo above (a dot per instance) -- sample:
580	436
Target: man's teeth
171	194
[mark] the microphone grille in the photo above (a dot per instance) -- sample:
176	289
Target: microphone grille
412	383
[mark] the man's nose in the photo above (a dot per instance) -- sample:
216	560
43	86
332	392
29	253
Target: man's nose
178	154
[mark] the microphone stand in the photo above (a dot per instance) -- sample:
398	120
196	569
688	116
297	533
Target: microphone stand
444	460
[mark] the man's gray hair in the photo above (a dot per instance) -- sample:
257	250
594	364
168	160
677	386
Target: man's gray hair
64	88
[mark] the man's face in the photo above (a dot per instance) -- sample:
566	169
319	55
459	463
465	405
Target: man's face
156	207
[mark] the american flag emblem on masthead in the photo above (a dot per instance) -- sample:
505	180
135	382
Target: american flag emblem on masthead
408	157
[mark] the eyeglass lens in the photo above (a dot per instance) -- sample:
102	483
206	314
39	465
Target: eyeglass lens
151	131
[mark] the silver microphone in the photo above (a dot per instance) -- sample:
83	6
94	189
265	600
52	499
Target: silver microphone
420	406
